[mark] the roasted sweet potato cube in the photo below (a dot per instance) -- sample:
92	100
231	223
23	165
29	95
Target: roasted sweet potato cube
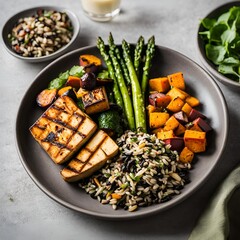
194	126
176	143
91	63
158	119
156	130
186	108
171	124
195	141
175	105
176	92
159	84
180	130
151	108
177	80
165	134
73	81
192	101
186	155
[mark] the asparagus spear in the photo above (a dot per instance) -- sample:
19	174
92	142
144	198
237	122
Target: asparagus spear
148	63
106	58
115	49
124	91
138	104
138	54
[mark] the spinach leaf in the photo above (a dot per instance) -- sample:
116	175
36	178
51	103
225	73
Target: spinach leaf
208	23
216	32
221	36
224	18
215	53
228	69
231	61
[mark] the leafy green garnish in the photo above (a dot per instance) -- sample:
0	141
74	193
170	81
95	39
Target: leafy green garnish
77	71
61	80
222	42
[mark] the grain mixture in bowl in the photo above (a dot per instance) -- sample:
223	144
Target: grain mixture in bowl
145	172
41	34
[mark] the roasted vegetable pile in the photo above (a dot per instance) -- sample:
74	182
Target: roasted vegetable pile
173	116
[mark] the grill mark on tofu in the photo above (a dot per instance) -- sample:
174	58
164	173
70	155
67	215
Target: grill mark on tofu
59	128
64	124
87	160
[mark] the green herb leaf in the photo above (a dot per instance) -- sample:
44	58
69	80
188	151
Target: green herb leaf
231	61
227	69
228	36
208	23
77	71
59	82
215	53
224	18
64	75
217	31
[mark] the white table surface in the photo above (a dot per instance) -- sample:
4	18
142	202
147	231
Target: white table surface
25	211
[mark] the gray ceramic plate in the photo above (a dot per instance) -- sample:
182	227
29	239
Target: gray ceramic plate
46	174
29	12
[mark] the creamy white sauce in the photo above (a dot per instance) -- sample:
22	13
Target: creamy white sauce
100	7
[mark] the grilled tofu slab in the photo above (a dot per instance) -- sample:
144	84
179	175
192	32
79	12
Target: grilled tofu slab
62	129
91	158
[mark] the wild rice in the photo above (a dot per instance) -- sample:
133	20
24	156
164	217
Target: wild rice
41	34
145	172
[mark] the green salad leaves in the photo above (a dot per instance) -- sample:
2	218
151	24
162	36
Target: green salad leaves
62	78
222	42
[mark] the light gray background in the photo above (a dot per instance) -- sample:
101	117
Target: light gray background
25	211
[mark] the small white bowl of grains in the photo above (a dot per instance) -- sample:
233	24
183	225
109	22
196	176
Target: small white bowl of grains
41	33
